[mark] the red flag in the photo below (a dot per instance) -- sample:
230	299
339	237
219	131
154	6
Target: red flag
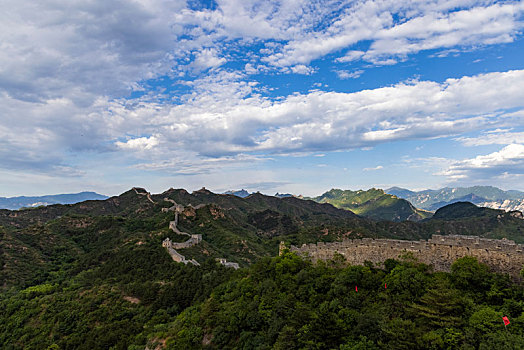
385	286
506	320
356	289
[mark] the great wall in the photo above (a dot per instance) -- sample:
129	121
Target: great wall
193	239
503	256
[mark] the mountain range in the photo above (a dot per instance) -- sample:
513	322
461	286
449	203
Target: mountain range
243	194
94	275
483	196
240	229
374	204
14	203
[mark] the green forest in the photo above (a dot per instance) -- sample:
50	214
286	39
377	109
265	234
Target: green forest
277	303
95	276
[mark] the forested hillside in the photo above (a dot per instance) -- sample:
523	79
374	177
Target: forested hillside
94	275
287	303
373	204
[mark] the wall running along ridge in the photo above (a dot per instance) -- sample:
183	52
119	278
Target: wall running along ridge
503	256
193	239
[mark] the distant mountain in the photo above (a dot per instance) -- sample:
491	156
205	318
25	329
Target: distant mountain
461	210
14	203
35	242
472	198
400	192
484	196
241	193
374	204
96	275
283	195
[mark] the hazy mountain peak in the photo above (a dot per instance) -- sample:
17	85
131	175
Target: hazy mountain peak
239	193
484	196
14	203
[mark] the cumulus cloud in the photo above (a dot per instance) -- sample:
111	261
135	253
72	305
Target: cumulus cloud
83	50
302	69
236	119
225	115
421	26
509	161
65	71
207	58
139	144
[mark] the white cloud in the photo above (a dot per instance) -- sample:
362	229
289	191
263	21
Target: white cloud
225	115
509	161
302	69
232	118
207	58
378	167
190	163
350	56
344	74
475	26
498	137
138	144
422	26
82	50
65	68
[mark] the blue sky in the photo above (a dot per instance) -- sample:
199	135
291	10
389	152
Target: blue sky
288	96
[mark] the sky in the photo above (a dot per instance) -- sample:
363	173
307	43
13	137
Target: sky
271	96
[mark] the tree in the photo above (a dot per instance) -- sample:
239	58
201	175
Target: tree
469	275
441	306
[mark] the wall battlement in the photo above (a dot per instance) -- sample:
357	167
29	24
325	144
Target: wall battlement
504	256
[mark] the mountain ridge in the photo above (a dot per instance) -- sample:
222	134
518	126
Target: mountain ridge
242	230
484	196
14	203
374	204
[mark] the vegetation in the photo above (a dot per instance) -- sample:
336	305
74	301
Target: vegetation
288	303
435	199
374	204
460	210
94	276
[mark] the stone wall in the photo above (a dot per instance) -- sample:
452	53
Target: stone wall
193	240
503	256
176	256
226	263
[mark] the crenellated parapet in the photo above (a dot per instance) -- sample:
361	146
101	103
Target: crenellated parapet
504	256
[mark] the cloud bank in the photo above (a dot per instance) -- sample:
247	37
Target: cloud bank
152	80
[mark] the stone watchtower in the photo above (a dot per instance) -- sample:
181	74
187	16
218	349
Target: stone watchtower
281	248
166	243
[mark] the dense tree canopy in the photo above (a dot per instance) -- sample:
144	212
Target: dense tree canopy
288	303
